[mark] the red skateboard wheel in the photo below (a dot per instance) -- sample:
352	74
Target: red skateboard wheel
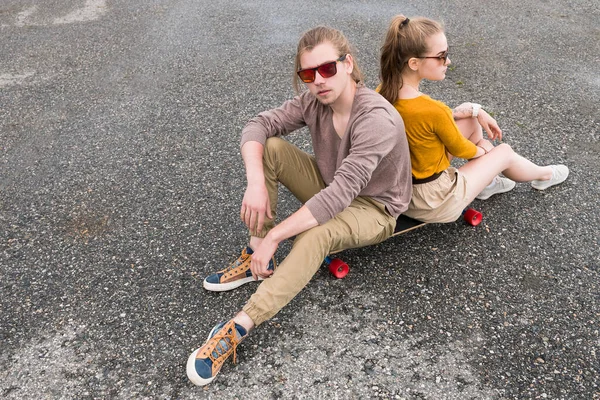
338	268
473	217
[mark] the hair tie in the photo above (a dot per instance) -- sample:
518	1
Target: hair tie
403	23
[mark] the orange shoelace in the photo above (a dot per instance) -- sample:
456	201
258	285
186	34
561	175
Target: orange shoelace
244	258
227	334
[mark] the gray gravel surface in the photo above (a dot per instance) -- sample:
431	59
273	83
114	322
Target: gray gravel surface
121	179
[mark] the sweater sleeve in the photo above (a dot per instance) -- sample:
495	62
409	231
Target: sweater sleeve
448	132
276	122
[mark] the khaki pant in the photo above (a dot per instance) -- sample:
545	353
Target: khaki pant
364	222
442	200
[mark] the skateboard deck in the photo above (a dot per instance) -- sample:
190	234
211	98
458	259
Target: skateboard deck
404	224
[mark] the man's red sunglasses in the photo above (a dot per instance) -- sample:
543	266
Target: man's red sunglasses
326	70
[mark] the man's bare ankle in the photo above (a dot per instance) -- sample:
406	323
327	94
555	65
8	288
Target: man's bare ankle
244	320
254	242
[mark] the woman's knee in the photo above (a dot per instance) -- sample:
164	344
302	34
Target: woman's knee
503	157
470	129
504	148
504	151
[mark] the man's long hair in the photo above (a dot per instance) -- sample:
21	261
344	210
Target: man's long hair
323	34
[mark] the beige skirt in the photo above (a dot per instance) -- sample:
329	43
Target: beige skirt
442	200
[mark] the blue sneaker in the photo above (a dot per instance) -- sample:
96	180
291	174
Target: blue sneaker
235	275
204	363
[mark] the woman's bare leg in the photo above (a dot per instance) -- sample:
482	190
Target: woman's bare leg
470	129
481	171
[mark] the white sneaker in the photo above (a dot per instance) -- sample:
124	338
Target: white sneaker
500	184
559	175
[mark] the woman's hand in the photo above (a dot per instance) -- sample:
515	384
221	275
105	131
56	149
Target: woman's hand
490	125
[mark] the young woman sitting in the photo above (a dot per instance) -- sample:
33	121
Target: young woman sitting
417	49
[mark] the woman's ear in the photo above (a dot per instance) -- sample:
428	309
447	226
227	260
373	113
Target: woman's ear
413	63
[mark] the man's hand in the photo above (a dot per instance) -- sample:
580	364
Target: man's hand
261	257
490	125
255	206
264	249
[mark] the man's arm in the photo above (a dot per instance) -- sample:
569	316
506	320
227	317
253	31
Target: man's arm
275	122
255	204
300	221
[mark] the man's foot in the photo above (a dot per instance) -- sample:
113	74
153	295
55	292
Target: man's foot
559	175
204	363
500	184
235	275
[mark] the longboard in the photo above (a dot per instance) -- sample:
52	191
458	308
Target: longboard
404	224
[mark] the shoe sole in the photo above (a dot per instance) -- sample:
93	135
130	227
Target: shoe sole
223	287
190	368
193	375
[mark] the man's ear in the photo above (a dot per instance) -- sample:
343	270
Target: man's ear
413	63
349	61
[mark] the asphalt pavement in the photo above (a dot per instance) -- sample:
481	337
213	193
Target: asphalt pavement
121	180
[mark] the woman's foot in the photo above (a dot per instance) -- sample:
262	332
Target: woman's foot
559	175
500	184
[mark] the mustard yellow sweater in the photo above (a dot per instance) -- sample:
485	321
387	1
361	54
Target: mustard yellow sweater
431	132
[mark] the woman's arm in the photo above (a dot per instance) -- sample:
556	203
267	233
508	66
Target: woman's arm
474	110
465	110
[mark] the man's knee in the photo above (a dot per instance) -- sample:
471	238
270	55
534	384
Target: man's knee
273	145
319	232
336	234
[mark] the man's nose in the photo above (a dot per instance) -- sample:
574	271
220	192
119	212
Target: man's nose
318	78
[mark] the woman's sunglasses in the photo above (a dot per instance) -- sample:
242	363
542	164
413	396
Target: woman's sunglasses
443	56
326	70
